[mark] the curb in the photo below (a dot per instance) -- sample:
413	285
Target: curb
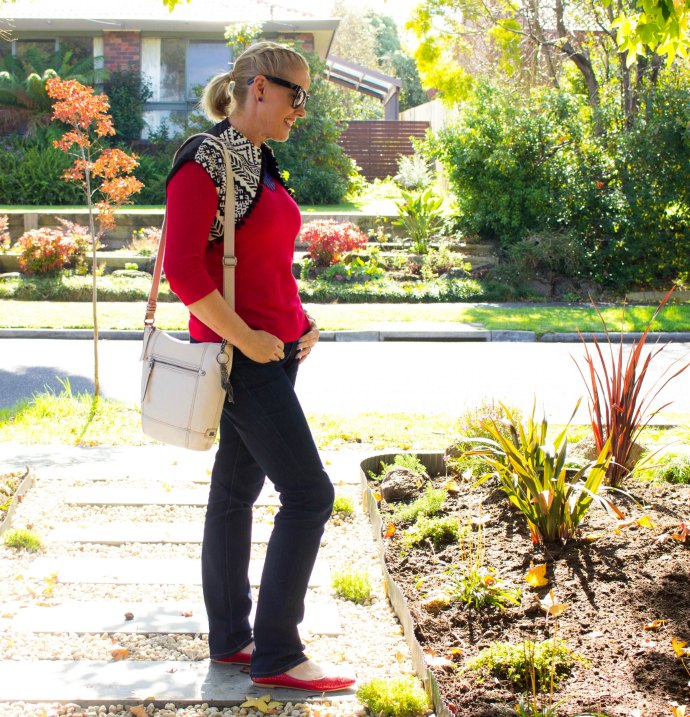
440	334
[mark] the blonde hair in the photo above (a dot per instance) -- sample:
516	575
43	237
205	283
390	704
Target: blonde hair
225	91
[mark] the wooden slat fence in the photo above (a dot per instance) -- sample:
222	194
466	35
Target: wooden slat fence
376	145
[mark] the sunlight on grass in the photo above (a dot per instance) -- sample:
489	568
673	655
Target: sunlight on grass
340	317
50	417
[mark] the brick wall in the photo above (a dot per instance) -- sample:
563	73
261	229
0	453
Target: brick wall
122	50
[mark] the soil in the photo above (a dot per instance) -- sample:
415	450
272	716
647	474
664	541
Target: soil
614	580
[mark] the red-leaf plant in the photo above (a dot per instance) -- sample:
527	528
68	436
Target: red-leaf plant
86	114
617	406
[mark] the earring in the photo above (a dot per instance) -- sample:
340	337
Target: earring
261	99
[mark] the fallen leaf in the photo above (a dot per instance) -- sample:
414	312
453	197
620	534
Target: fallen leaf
187	613
591	537
442	663
436	602
457	651
645	522
683	533
678	647
452	486
550	605
119	653
678	711
655	624
377	497
390	531
263	704
129	616
535	576
139	711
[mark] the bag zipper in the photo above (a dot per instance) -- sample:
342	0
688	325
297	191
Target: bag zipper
153	360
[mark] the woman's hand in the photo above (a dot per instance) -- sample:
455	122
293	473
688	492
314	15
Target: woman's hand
263	347
308	341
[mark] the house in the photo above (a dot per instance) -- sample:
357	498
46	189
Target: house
174	50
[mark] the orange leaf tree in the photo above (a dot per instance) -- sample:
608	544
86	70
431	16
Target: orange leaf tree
104	173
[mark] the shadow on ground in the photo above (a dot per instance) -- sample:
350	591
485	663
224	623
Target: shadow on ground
24	383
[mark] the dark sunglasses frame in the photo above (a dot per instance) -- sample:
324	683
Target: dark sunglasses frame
301	97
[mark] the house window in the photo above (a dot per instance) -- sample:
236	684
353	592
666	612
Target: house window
174	67
204	60
38	54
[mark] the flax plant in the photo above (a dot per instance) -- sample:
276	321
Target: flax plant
618	408
532	472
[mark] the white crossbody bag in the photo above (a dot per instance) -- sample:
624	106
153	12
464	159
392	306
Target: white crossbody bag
184	385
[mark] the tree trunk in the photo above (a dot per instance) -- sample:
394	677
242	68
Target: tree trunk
94	270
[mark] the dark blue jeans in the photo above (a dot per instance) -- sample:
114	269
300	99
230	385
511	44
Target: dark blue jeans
263	433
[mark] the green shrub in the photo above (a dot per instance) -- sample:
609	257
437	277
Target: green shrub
439	530
71	287
21	538
420	217
516	662
426	505
545	165
127	93
31	172
670	467
353	585
401	697
343	505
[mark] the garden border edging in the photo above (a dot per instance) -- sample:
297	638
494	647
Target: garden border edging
434	463
27	481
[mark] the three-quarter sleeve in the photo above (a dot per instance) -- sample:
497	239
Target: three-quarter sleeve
192	201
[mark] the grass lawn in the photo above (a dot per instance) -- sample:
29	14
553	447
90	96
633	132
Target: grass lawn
338	317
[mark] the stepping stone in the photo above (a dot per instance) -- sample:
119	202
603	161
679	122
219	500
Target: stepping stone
149	496
119	533
127	571
100	617
111	682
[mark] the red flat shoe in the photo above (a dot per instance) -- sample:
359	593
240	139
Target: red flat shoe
239	658
323	684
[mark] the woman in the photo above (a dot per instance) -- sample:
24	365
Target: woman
263	431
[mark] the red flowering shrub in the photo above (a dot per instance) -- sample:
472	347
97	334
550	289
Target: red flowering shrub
327	241
45	250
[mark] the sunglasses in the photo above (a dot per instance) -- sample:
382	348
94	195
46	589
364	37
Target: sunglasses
300	97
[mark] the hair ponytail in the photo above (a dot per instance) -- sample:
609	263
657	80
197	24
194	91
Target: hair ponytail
217	96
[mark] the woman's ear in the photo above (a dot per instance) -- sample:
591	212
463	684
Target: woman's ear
258	87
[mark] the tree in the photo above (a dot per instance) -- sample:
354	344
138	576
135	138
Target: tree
532	41
86	114
24	102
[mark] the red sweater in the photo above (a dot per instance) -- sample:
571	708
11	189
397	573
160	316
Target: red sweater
265	290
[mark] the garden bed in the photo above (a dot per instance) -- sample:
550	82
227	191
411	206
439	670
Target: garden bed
13	486
616	579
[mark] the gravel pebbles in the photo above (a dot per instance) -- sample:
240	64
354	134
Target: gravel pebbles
372	641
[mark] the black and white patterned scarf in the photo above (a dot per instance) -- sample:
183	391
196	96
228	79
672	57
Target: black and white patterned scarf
249	164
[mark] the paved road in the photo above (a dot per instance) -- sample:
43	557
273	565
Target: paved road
421	377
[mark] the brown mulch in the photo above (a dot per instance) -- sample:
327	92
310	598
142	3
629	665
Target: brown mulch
614	581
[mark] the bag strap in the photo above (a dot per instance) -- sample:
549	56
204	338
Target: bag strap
229	258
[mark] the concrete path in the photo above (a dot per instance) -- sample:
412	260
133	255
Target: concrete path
98	472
